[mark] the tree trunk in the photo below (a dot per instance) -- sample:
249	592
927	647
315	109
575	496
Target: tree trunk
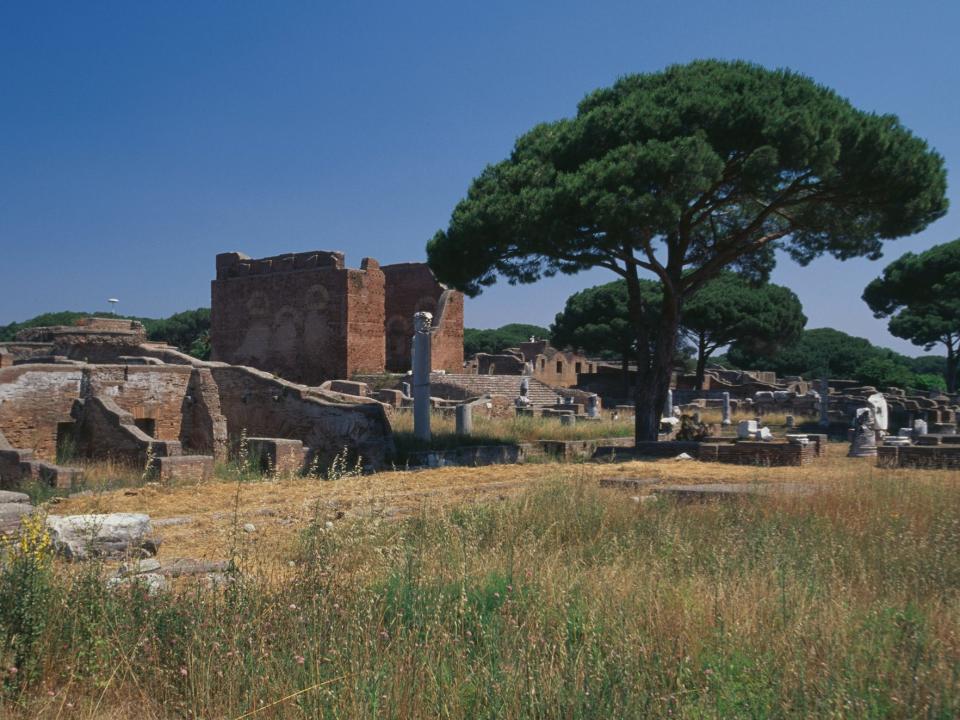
701	360
951	367
654	382
626	375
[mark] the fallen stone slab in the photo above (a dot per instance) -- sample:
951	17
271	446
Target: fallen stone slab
10	515
147	565
627	483
715	491
187	566
79	537
170	521
9	496
153	582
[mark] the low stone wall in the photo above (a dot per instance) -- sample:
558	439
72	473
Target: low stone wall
183	469
736	452
571	450
472	456
276	455
933	457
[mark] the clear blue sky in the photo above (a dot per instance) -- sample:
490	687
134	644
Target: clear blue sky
137	140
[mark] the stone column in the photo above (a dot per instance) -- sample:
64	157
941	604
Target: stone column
464	419
726	408
421	375
824	403
593	406
668	410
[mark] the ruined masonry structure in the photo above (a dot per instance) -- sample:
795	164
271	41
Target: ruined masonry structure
307	318
99	390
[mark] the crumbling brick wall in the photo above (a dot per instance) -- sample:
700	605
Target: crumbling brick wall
34	400
304	316
307	318
412	288
192	406
255	403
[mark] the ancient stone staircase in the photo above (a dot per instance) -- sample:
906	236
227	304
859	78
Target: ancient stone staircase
461	387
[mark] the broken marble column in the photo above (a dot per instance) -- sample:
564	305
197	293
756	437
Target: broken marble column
522	400
464	419
919	427
726	408
593	406
421	375
864	440
668	410
824	403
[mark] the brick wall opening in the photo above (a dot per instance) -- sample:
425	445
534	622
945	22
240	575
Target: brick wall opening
148	425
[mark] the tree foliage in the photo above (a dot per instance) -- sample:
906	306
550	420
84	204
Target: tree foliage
597	320
825	352
920	293
681	174
764	317
496	340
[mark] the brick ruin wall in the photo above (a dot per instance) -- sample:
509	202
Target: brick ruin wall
303	317
307	318
198	407
412	288
36	400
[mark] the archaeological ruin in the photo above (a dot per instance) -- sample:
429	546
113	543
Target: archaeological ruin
100	390
307	318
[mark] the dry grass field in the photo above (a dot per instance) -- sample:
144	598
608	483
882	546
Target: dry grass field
509	591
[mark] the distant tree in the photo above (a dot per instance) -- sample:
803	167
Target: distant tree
920	293
681	174
729	309
497	340
597	320
822	352
188	330
825	352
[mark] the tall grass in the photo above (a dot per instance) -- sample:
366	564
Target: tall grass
501	431
567	602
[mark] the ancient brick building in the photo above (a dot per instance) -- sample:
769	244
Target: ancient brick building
307	318
139	398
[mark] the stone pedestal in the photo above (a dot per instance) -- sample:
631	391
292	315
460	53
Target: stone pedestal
464	419
864	444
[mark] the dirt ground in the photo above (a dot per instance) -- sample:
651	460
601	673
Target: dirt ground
206	521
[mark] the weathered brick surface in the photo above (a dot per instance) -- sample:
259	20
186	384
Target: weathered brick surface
742	452
276	455
412	288
183	469
106	431
263	406
33	400
308	319
127	409
304	317
934	457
